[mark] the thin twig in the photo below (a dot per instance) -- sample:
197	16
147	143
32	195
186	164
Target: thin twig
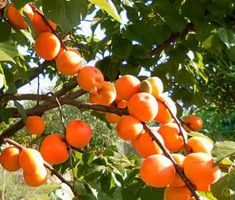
173	38
175	119
48	24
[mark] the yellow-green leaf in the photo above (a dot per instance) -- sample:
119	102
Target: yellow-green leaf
109	7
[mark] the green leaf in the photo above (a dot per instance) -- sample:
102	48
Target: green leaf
5	31
129	69
231	181
65	13
20	3
1	81
121	47
219	187
7	52
109	7
227	37
20	109
109	67
231	53
93	175
223	149
151	193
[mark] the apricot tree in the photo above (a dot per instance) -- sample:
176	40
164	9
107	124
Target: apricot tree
153	60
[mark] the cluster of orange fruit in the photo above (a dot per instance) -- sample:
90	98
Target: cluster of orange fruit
54	149
30	160
145	102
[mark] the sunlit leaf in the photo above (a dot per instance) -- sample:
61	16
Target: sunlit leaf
109	7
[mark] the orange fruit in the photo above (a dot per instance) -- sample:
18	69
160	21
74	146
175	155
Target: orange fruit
114	118
47	45
171	135
203	188
157	171
9	158
68	63
164	115
39	25
200	144
126	86
35	125
179	193
90	78
198	167
179	159
128	128
143	106
146	146
15	18
36	178
30	160
54	149
62	50
193	123
103	96
152	85
78	133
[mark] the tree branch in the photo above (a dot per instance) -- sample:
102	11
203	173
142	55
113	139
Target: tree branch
39	110
35	73
173	38
65	100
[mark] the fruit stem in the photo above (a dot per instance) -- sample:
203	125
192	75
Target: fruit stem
178	122
177	168
48	24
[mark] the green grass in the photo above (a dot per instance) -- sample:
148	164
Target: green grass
15	188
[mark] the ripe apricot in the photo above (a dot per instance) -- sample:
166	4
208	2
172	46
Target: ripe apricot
179	193
114	118
78	133
15	18
198	167
164	115
157	171
146	146
128	128
9	158
47	45
39	25
193	123
143	106
35	125
153	85
179	159
54	149
36	178
105	95
30	160
171	135
200	144
90	78
62	50
68	63
126	86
